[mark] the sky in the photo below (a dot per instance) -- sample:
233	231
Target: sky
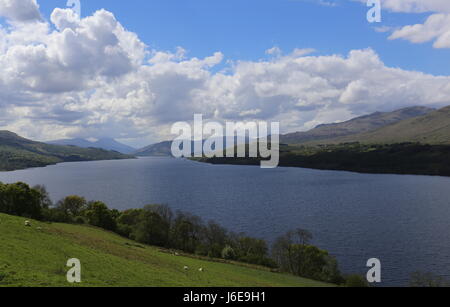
130	69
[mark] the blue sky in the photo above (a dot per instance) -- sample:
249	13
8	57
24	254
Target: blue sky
119	72
243	30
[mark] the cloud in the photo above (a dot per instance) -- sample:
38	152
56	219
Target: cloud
436	28
90	77
416	6
20	11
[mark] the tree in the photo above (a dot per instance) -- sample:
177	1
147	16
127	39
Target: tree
186	232
215	239
293	254
98	214
151	229
72	205
45	201
164	221
19	199
127	221
228	253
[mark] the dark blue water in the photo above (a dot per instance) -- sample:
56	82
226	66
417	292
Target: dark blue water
402	220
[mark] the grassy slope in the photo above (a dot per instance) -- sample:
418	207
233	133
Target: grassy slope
354	126
433	128
32	257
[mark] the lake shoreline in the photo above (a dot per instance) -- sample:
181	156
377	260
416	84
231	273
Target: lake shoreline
400	159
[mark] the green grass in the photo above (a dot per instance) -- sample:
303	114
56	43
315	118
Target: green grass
30	256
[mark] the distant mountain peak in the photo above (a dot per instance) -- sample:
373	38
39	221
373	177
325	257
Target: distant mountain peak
103	143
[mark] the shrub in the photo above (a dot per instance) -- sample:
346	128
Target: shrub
98	214
20	200
228	253
79	220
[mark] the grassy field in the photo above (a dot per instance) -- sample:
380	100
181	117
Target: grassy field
37	256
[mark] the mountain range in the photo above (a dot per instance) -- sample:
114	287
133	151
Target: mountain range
432	128
103	143
17	152
413	124
164	149
354	126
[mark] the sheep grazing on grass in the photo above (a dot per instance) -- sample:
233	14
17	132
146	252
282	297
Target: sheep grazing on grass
186	268
27	223
200	270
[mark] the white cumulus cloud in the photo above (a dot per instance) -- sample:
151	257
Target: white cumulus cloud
90	77
435	29
20	11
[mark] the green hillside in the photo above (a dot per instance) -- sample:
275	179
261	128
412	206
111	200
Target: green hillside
163	149
37	256
354	126
432	128
18	153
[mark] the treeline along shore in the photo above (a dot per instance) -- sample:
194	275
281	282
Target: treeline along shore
402	158
158	225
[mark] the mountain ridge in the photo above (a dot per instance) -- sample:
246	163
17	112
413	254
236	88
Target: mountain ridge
361	124
432	128
17	152
103	143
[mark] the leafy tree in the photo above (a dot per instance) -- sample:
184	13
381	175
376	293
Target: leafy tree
151	229
127	221
215	239
293	254
21	200
164	222
98	214
186	232
45	200
228	253
73	205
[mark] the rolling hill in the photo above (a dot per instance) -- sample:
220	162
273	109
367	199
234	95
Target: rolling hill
432	128
103	143
18	153
37	256
354	126
162	149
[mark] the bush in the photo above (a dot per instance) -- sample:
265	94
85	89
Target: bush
228	253
98	214
20	200
56	215
79	220
124	230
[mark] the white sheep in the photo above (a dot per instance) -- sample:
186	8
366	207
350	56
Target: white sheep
27	223
200	270
186	268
